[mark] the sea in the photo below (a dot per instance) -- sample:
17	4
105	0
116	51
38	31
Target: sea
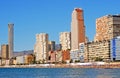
59	73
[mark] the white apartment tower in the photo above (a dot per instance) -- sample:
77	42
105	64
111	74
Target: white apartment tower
65	40
11	39
41	47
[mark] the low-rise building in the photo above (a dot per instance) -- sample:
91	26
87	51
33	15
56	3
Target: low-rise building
58	56
0	62
25	59
5	51
51	57
74	55
20	59
65	55
78	54
5	62
29	59
82	51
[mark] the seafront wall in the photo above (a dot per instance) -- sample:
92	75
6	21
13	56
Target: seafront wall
106	65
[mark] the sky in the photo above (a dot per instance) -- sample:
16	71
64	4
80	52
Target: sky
31	17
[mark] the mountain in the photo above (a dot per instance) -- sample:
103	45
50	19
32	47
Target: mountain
20	53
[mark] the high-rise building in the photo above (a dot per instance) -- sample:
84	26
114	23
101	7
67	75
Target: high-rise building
65	40
107	27
86	40
5	51
77	28
58	47
11	39
97	51
115	48
41	47
51	45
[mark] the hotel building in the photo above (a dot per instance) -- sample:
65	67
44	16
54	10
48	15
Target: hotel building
107	27
51	45
11	39
77	28
41	47
94	51
65	40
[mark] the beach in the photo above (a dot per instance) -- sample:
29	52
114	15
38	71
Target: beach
71	65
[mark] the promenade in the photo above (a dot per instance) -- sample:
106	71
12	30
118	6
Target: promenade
71	65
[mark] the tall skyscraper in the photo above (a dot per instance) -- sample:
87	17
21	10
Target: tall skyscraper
65	40
77	28
5	51
11	39
107	27
58	47
51	45
41	47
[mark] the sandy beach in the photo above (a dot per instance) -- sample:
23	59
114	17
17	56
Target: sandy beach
71	65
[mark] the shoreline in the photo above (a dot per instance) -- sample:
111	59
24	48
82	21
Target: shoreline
74	65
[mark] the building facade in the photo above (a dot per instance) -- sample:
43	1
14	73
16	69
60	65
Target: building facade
78	54
77	28
74	55
65	40
24	59
11	39
115	49
97	51
5	51
82	51
58	47
58	56
65	55
51	45
20	60
41	47
52	57
86	39
107	27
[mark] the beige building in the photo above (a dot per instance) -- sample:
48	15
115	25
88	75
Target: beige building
41	47
95	51
5	51
77	28
86	40
86	52
59	56
65	40
107	27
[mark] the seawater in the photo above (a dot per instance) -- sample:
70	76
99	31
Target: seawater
58	73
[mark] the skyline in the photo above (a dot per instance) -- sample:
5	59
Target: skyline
32	17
